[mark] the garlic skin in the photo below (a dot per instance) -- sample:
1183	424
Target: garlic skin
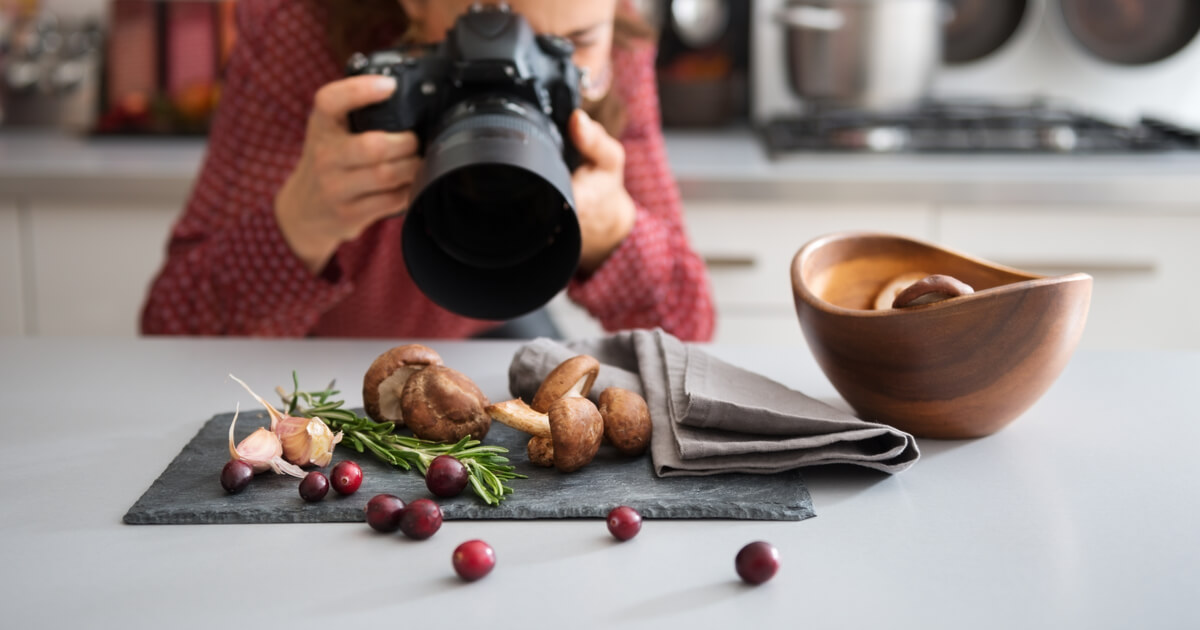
262	450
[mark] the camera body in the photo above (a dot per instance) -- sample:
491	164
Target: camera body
491	52
491	232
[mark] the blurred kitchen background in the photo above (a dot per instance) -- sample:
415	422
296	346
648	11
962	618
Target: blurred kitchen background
1051	135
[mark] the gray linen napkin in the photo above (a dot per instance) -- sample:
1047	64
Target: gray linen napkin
711	417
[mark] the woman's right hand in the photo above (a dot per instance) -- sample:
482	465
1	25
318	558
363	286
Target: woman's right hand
344	181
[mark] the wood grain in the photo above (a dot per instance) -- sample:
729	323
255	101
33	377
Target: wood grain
961	368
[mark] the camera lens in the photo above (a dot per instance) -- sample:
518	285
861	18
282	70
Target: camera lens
492	231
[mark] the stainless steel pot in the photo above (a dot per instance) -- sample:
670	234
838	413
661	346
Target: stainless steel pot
870	54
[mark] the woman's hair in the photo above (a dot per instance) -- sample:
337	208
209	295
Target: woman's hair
366	25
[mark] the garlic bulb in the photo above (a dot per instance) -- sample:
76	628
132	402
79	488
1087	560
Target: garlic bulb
303	441
262	451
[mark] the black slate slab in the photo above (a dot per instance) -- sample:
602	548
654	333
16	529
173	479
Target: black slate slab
189	491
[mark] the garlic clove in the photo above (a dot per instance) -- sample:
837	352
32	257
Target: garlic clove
262	450
321	441
293	435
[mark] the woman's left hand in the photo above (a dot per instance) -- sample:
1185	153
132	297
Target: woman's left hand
605	209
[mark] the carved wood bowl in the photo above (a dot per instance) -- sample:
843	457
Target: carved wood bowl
961	368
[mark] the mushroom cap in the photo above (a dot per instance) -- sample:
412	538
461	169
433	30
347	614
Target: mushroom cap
572	377
576	429
444	405
541	451
931	289
384	381
626	420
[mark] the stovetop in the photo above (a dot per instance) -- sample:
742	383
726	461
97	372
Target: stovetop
971	127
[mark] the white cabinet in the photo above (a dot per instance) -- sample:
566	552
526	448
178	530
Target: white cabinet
92	262
749	246
1144	261
12	286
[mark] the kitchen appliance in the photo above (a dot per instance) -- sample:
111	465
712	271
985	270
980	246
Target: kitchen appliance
871	54
702	60
1016	76
51	72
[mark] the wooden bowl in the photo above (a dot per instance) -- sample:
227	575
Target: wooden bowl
961	368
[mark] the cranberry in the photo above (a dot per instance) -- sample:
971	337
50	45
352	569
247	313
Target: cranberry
473	560
421	519
624	522
446	476
384	512
236	475
346	477
314	486
757	562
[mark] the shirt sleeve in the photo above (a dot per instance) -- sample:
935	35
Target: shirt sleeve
653	278
228	269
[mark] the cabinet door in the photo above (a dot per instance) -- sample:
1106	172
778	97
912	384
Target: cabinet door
749	247
1143	264
12	293
92	264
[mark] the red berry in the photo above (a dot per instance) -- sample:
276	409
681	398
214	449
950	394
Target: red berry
236	475
446	476
384	512
346	477
757	562
421	519
314	486
473	560
624	522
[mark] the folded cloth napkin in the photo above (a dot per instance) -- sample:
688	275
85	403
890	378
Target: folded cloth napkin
711	417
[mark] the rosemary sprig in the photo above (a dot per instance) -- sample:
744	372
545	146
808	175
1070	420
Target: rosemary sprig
487	467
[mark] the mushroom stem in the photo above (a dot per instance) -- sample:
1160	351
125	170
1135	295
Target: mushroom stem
520	416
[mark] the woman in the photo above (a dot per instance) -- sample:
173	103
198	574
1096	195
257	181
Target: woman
292	228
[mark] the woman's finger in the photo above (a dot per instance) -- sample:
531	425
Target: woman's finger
594	143
338	98
381	177
370	208
366	149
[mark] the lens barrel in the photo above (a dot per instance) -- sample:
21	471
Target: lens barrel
492	232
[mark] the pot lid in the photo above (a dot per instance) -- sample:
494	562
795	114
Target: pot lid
1132	32
975	29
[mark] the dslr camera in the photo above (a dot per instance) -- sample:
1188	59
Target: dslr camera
491	232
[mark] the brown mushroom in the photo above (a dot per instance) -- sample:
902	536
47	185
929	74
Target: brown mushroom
576	430
887	295
573	377
931	289
626	420
444	405
384	381
567	436
541	451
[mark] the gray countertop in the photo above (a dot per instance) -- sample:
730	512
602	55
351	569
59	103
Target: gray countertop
1081	514
720	164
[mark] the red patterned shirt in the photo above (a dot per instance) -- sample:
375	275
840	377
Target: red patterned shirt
229	270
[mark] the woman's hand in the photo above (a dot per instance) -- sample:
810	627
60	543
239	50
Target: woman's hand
344	181
606	211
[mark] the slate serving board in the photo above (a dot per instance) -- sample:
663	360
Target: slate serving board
189	490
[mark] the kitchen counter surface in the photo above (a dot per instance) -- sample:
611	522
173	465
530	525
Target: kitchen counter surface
1081	514
720	164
